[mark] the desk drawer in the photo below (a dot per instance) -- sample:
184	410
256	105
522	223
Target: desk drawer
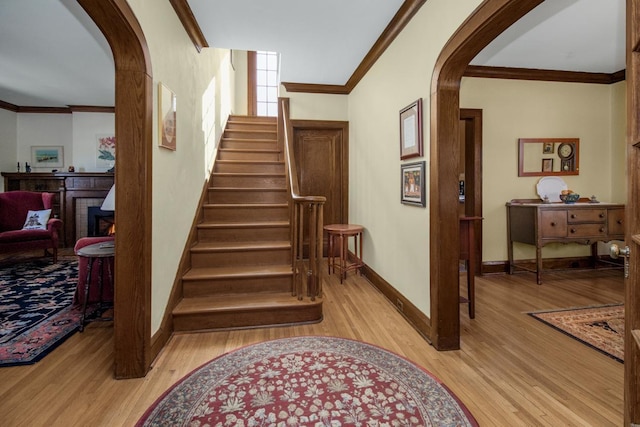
553	223
587	230
586	215
615	221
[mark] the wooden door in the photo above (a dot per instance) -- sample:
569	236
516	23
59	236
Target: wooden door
632	231
322	154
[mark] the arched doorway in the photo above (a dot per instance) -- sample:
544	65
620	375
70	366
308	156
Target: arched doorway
488	21
133	123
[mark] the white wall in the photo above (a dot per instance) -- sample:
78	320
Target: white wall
43	130
204	87
8	142
396	238
86	129
515	109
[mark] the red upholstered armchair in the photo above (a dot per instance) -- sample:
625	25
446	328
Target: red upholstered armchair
14	206
83	264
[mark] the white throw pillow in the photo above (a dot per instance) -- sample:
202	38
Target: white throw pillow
37	220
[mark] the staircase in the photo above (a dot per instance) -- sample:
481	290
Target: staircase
241	273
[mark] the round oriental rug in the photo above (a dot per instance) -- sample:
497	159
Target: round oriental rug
308	381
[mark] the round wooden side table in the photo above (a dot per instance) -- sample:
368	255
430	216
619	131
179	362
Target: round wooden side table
339	235
98	251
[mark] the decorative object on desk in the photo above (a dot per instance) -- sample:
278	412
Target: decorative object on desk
569	197
599	327
412	184
46	157
18	170
36	311
106	151
551	187
309	381
167	117
27	168
411	130
593	199
72	169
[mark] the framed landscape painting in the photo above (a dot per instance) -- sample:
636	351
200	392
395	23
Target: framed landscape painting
47	156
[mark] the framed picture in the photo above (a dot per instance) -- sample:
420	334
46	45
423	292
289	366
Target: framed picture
411	130
412	184
167	117
547	165
105	151
547	148
47	156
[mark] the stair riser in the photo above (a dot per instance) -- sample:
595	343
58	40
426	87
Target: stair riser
248	144
244	318
250	134
212	287
252	119
252	214
272	127
240	258
255	196
243	155
248	181
242	234
249	167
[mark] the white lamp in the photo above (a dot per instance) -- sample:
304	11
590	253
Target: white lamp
109	203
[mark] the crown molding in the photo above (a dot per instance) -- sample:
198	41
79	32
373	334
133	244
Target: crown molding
402	17
543	75
56	110
185	14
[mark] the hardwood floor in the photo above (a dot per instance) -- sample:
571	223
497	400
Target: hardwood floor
511	370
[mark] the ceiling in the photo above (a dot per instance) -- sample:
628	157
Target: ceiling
53	55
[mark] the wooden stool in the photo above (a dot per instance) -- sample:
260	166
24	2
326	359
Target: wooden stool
99	251
341	233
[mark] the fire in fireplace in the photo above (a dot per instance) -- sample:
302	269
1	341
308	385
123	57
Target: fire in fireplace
99	222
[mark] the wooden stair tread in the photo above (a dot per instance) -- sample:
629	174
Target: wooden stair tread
250	150
240	246
251	162
203	273
245	205
246	189
252	140
253	174
259	224
233	302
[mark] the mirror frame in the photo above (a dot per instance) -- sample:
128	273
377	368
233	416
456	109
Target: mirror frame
574	141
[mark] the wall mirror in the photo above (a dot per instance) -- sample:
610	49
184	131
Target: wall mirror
548	156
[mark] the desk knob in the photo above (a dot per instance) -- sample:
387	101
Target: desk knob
619	221
601	215
573	230
602	229
553	224
573	216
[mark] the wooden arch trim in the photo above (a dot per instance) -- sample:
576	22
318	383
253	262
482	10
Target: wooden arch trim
133	123
488	21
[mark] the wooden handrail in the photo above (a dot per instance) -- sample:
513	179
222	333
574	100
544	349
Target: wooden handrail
314	205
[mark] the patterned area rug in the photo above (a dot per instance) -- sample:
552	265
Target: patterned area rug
308	381
600	327
36	314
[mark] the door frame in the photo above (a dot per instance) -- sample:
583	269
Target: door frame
632	223
472	118
133	178
487	22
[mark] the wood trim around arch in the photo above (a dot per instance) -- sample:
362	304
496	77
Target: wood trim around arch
488	21
133	178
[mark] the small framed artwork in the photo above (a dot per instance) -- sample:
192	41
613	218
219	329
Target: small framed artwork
105	151
411	130
167	117
547	165
547	148
413	184
47	156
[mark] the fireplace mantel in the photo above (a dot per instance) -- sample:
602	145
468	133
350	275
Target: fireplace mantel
68	187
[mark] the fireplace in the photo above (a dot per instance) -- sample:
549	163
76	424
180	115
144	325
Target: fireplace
99	222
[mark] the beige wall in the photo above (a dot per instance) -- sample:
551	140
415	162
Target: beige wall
515	109
313	106
619	142
396	239
204	86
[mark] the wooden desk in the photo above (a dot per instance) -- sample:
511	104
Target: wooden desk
341	233
539	224
468	254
